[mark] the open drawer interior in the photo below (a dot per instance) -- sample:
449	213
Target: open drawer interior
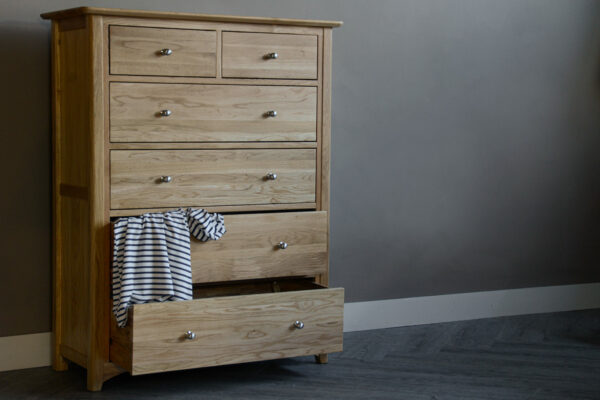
254	287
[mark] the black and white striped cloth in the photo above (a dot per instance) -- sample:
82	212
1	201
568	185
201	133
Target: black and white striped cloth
151	257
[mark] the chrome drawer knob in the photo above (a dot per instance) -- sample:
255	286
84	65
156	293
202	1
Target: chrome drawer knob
282	245
298	324
189	335
165	113
271	56
165	52
271	176
166	179
271	114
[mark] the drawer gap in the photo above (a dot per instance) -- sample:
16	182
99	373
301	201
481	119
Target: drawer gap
254	287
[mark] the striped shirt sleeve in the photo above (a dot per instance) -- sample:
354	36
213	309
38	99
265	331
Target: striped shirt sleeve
151	256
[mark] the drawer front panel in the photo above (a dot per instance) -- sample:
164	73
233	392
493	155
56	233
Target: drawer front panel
146	112
211	177
235	329
250	249
251	55
137	51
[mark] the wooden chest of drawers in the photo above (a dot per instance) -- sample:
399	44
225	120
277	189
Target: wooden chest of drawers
155	111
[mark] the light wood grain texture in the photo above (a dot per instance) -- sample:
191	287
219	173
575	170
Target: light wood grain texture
207	113
211	25
325	139
212	81
99	246
74	285
71	168
249	249
213	145
211	177
79	22
72	12
221	209
244	55
235	329
319	114
58	361
135	51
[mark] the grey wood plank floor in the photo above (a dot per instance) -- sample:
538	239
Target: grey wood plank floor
544	356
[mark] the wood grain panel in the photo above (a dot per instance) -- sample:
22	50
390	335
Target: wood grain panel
135	51
211	177
244	55
249	248
74	282
325	139
211	113
235	329
99	286
212	81
126	212
58	361
213	145
182	17
71	215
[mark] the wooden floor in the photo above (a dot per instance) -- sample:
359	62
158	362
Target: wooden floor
546	356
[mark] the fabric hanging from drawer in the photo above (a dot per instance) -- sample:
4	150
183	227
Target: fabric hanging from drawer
151	256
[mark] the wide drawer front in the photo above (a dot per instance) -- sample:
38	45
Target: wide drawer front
263	246
145	112
202	178
269	55
164	52
233	329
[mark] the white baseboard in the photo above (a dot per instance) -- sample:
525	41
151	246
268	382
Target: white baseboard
464	306
29	351
25	351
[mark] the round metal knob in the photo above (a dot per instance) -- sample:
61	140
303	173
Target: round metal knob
166	179
165	52
271	114
190	335
271	176
271	56
298	324
165	113
282	245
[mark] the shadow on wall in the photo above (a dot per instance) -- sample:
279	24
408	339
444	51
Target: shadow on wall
25	202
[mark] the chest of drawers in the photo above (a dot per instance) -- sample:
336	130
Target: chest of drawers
155	111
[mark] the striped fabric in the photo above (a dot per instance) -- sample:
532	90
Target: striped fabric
151	257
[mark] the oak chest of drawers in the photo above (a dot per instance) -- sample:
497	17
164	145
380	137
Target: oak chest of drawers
155	111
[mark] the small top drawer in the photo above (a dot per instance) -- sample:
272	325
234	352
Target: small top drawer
162	51
269	55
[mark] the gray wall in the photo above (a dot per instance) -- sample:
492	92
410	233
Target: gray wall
465	141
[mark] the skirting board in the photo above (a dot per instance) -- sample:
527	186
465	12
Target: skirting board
29	351
25	351
381	314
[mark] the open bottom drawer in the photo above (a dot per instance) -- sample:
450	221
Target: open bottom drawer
230	326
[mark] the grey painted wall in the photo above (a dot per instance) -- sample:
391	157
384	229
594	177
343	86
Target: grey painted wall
465	145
